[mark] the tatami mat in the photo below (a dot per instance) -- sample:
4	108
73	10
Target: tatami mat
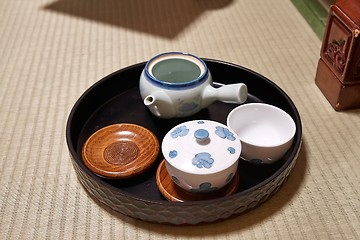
52	51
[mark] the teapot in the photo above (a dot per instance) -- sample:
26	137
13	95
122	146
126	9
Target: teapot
177	84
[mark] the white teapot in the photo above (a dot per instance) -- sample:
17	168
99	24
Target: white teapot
177	84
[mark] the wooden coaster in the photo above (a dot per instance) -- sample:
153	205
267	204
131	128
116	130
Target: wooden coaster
120	151
174	193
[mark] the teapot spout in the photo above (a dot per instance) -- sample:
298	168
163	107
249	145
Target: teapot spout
232	93
149	100
160	104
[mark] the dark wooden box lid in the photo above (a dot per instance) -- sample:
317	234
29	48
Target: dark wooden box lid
351	8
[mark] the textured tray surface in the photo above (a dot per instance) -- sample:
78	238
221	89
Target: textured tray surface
116	99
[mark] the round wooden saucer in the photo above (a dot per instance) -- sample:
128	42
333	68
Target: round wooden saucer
174	193
120	151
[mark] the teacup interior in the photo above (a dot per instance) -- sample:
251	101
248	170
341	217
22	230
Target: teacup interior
262	125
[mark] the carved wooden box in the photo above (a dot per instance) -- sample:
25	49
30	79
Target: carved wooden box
338	72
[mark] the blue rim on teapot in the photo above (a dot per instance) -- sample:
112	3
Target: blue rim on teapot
176	60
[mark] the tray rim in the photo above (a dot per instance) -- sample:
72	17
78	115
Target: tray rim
275	175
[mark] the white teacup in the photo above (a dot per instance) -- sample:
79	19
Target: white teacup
266	132
177	84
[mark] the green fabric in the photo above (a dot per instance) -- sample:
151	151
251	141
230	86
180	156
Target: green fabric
314	13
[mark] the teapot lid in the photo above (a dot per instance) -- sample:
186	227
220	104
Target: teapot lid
201	147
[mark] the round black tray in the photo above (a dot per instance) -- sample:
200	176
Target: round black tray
116	99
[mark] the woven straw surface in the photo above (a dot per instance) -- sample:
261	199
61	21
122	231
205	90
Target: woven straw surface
52	51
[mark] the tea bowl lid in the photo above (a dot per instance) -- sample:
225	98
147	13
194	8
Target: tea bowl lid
201	147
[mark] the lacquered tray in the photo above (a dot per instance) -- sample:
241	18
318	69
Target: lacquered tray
116	99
